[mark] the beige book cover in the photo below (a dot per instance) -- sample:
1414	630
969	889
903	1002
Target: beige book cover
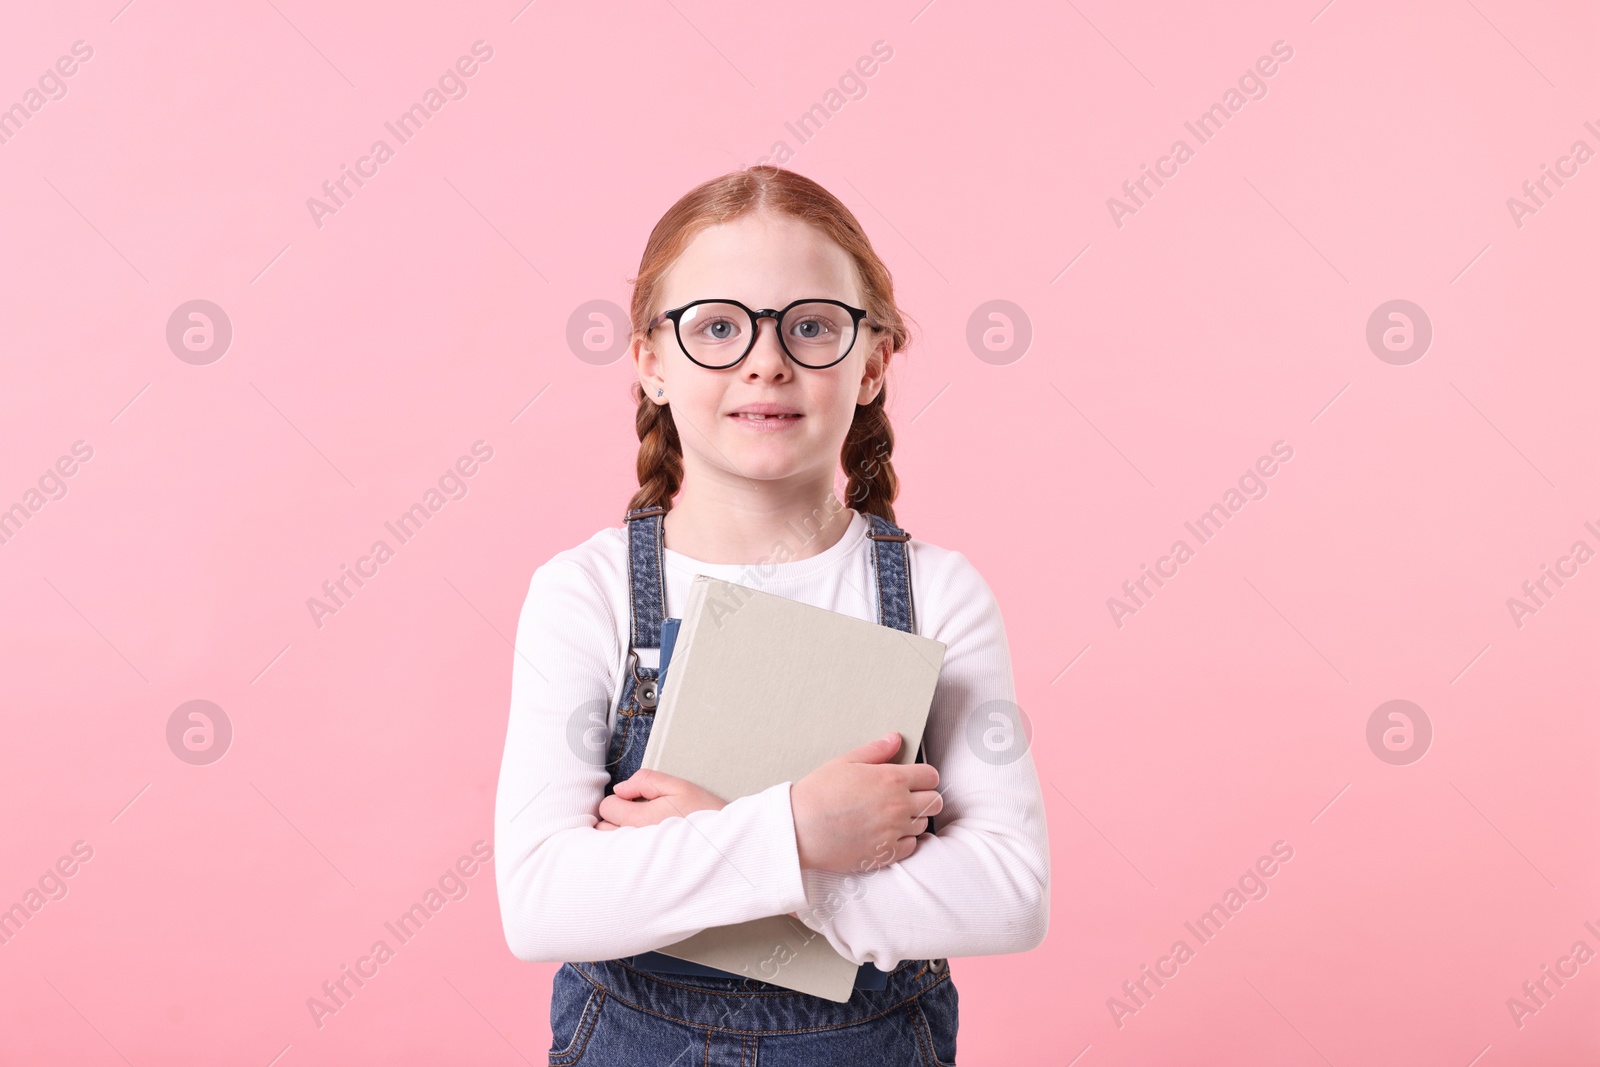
763	689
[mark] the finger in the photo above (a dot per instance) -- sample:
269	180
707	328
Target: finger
876	751
603	825
666	806
927	802
920	775
621	812
649	812
905	847
643	785
892	853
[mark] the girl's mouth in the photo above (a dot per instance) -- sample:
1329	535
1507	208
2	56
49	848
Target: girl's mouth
765	422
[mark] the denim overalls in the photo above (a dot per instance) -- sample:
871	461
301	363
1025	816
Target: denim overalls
613	1012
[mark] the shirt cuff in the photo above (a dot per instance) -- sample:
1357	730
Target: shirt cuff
774	849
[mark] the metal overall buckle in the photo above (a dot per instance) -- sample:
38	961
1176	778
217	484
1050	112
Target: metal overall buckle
645	690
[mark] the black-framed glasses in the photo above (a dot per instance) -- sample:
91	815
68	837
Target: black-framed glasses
718	333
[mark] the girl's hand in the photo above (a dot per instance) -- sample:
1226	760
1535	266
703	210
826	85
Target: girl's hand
650	797
858	812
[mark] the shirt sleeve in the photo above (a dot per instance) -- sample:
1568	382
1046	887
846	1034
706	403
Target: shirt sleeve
569	891
980	885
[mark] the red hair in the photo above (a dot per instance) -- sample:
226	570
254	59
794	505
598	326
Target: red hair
871	484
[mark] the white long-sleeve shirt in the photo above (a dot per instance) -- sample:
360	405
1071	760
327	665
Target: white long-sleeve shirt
979	886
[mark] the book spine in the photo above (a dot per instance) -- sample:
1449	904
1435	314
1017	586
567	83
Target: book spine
693	610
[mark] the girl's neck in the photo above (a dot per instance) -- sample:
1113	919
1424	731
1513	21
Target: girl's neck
737	529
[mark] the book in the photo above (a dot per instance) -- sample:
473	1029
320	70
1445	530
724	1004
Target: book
868	976
765	690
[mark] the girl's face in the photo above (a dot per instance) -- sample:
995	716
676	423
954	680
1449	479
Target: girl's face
764	261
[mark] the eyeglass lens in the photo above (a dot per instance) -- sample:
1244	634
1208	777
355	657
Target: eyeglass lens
718	335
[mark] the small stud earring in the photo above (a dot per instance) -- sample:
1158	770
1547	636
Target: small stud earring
658	392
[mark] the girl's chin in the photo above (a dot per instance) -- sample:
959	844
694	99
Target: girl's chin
765	461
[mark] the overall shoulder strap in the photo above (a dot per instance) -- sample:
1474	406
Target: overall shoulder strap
891	564
647	593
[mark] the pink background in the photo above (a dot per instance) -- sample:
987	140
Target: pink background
1228	313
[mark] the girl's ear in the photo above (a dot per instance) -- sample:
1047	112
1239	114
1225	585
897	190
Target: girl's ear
873	374
648	363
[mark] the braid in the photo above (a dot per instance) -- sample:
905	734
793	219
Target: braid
660	462
870	482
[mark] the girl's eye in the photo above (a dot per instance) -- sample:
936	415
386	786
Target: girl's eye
812	329
717	329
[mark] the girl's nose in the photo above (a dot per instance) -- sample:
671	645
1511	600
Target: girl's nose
767	358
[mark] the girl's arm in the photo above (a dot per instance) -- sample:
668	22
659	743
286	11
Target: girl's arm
980	886
569	891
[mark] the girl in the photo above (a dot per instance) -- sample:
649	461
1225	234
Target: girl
764	325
